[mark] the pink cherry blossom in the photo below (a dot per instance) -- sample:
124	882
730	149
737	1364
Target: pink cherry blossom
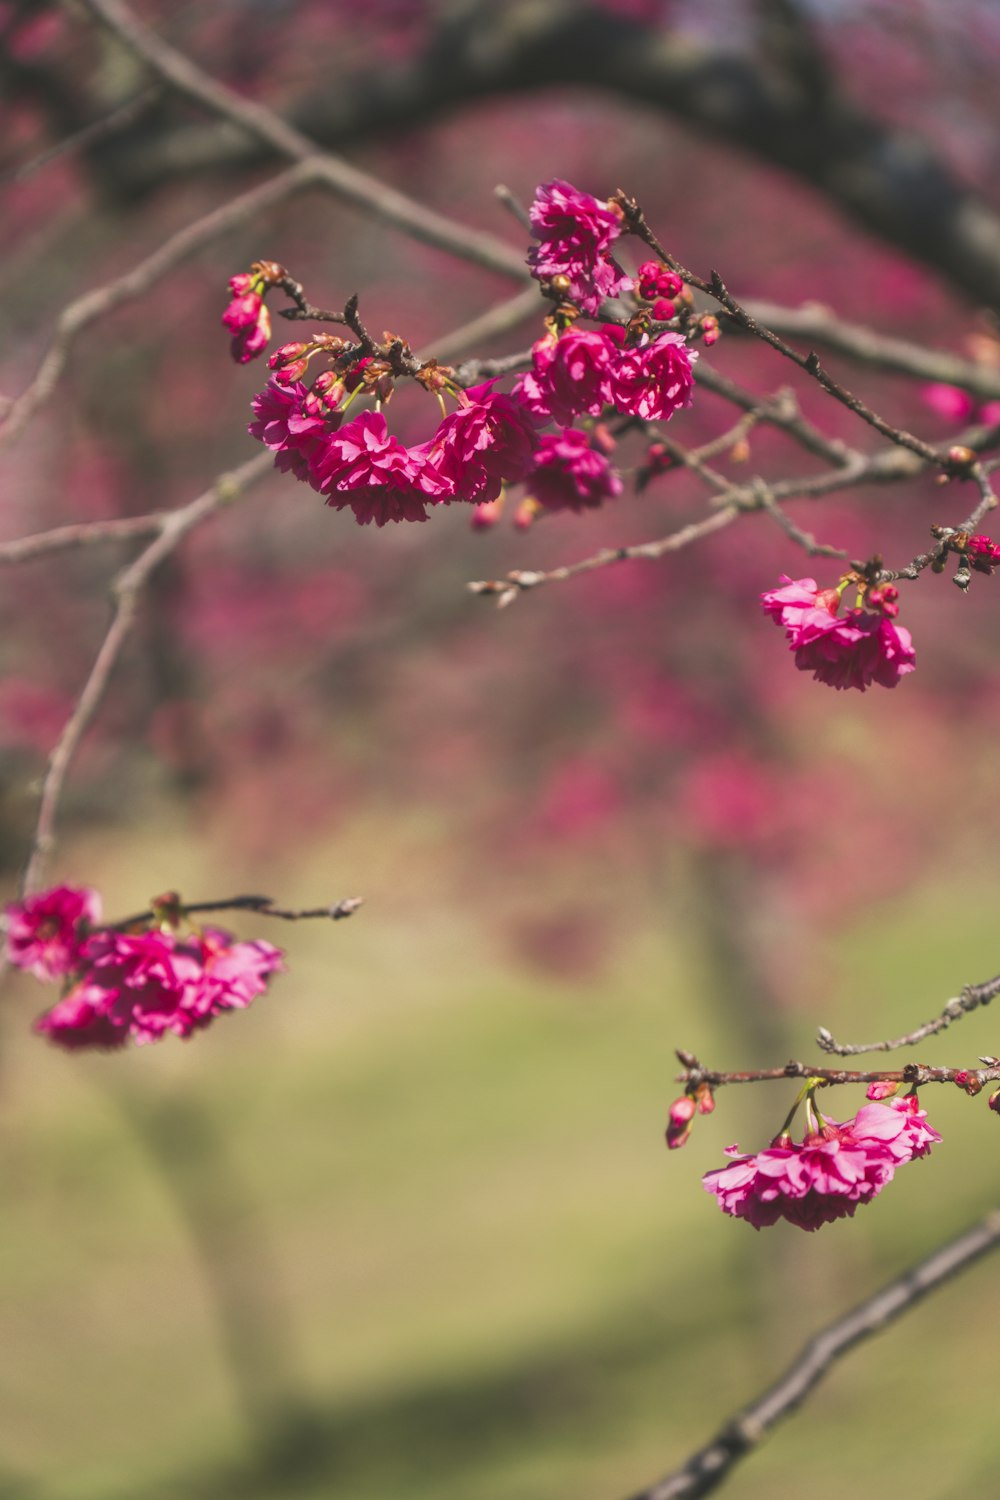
575	233
364	467
144	985
654	379
844	651
287	426
983	553
249	321
827	1175
855	651
46	933
570	474
570	376
489	440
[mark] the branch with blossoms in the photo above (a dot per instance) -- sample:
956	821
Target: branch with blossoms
837	1165
147	975
634	371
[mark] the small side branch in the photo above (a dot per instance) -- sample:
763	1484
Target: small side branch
508	588
972	1080
125	592
263	906
710	1466
972	997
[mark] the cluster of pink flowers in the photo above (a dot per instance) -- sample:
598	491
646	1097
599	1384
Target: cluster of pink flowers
359	464
121	984
656	283
491	439
585	370
845	651
575	233
828	1174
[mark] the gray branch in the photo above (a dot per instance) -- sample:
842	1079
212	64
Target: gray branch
768	102
706	1469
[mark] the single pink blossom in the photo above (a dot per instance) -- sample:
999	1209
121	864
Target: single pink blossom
983	553
654	379
144	985
917	1136
490	440
570	474
575	233
569	376
285	424
364	467
844	651
46	933
828	1174
859	649
814	1182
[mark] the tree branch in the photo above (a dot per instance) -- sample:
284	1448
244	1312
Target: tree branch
887	179
125	592
707	1469
971	998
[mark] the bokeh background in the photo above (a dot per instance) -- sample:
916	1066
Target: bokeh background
408	1226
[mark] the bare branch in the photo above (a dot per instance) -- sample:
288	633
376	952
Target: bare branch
475	246
141	279
971	998
263	906
125	592
79	534
520	581
707	1469
972	1080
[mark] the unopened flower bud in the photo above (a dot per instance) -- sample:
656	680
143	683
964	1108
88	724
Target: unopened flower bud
961	455
739	453
994	1101
663	309
679	1120
526	513
706	1099
270	271
486	514
603	439
882	1088
710	330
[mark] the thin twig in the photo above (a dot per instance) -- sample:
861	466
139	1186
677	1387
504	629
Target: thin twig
716	288
79	314
971	998
264	906
119	118
520	581
125	592
822	326
972	1080
79	534
711	1465
475	246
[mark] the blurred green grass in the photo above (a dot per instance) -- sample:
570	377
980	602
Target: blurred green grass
407	1228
